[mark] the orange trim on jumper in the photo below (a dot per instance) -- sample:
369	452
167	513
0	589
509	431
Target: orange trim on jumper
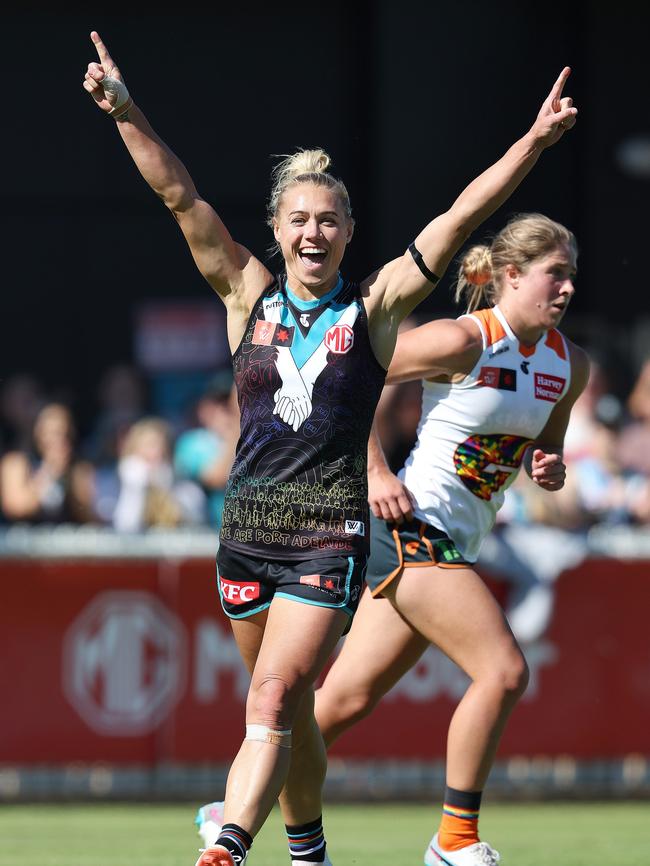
555	342
493	328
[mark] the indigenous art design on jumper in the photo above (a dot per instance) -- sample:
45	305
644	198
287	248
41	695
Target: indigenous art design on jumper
485	462
308	384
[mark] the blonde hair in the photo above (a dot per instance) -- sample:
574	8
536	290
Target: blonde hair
160	505
140	430
525	239
304	166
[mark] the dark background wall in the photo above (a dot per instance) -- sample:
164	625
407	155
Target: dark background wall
411	100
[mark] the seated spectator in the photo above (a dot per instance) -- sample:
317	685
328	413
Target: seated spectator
150	495
21	399
634	442
206	451
600	487
48	483
121	402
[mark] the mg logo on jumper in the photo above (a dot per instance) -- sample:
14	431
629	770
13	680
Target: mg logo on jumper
339	339
124	661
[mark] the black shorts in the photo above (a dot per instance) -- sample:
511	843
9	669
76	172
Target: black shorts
248	585
412	544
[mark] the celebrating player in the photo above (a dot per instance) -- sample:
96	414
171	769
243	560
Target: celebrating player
310	352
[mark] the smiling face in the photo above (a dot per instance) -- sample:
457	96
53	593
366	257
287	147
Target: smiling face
536	299
312	229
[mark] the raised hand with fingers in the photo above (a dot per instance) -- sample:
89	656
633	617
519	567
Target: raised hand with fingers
104	82
556	115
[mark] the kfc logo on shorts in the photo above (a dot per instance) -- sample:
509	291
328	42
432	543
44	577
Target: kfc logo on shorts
548	387
238	593
339	339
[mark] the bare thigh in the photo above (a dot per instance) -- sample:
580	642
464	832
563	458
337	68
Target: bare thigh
454	609
380	648
248	634
298	639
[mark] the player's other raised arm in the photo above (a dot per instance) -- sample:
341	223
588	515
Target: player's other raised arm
437	243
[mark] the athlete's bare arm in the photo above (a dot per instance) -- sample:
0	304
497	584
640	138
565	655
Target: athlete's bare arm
439	348
397	290
232	271
388	497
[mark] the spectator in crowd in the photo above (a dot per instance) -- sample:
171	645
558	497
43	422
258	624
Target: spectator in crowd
150	494
21	399
48	483
634	442
121	402
205	452
601	488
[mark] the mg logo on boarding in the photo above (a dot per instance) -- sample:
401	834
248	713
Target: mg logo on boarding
124	661
339	339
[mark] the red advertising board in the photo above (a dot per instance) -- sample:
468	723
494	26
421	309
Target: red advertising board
132	662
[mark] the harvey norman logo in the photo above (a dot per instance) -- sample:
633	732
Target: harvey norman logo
124	661
548	387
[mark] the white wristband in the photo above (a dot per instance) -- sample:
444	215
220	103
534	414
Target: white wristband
117	88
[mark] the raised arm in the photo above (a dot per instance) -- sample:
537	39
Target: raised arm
236	275
413	276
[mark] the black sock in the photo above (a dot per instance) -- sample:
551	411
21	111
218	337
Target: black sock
306	841
469	800
236	840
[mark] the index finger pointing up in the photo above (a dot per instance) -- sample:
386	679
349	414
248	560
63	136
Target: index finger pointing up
558	87
102	51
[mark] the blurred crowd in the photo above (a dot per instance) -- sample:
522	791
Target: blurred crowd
133	468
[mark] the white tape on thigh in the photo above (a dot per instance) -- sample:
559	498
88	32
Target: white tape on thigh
268	735
117	88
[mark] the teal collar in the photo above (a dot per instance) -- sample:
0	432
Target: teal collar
308	305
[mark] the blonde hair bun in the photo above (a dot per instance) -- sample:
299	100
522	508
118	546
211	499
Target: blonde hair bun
477	265
304	166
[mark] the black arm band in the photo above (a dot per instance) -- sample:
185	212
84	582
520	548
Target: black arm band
419	261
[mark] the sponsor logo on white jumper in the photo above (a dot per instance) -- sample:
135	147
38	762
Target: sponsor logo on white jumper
548	387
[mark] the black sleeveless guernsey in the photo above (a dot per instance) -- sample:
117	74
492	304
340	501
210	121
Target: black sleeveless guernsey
308	383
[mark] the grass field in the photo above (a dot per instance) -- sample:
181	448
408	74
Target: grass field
561	834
